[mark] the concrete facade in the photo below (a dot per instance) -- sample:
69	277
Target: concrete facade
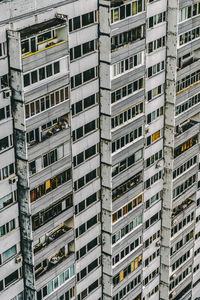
99	149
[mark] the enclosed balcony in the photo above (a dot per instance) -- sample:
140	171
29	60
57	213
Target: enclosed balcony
185	131
185	126
46	131
53	236
43	36
54	260
182	208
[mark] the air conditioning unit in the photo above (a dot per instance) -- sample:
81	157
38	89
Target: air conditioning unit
7	94
158	243
18	259
13	180
146	130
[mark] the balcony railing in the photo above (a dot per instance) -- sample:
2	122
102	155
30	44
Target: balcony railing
52	263
180	208
186	126
61	125
51	238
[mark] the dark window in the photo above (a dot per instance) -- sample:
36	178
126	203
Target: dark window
91	199
49	70
77	51
89	101
41	73
88	75
87	19
78	79
2	113
77	23
89	127
56	67
11	278
26	80
93	265
90	151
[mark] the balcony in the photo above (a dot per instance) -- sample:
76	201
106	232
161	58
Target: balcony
185	131
52	237
180	209
185	126
43	133
54	261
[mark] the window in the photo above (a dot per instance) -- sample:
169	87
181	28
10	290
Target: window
86	179
130	248
47	101
50	185
9	253
126	163
127	139
156	44
187	82
155	114
41	74
6	142
68	295
127	90
12	278
51	212
8	227
184	186
156	19
8	199
60	279
85	249
154	137
150	240
126	209
150	277
189	12
185	146
126	186
151	257
82	21
189	36
125	230
127	115
83	49
3	49
153	219
184	167
155	69
153	158
87	202
87	128
127	37
126	10
184	106
153	199
7	171
88	269
182	224
5	112
157	91
84	77
128	64
129	269
4	81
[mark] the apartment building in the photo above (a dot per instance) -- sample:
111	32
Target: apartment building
99	150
